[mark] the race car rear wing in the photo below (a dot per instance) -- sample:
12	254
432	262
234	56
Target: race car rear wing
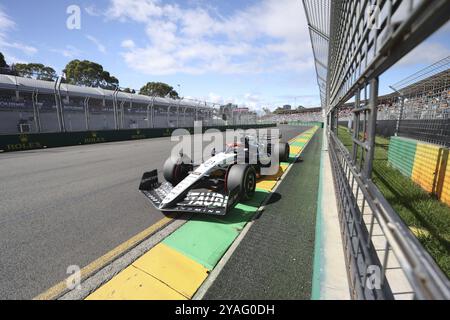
194	201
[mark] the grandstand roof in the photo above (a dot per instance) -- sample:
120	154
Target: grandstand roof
47	87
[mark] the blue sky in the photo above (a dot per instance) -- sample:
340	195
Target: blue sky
255	53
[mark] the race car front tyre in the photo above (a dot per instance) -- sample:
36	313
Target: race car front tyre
174	171
244	177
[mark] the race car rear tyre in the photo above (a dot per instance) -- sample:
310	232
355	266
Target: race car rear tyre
244	177
175	171
283	152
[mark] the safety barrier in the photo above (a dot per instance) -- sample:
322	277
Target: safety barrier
25	141
306	123
426	164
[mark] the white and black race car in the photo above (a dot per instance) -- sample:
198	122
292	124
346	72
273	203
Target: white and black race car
215	186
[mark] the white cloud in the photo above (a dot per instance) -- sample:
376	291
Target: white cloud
68	52
150	60
215	98
97	43
11	59
251	100
252	97
6	25
197	23
128	44
28	50
6	22
425	53
270	35
92	11
136	10
257	102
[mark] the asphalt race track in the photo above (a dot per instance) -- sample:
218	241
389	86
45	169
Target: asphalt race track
69	206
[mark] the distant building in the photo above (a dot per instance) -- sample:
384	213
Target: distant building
287	107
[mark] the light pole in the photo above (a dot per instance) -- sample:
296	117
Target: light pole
178	112
402	105
116	122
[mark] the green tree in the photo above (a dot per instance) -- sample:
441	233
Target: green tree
128	90
35	71
2	61
278	110
159	89
90	74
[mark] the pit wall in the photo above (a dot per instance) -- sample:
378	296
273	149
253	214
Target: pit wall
24	141
424	163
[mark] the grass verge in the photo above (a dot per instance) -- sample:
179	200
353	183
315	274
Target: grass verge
427	217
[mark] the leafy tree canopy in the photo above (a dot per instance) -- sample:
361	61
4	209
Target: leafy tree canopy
2	61
159	89
128	90
279	110
90	74
35	71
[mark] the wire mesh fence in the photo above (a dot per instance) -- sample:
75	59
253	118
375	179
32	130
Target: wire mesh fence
366	39
420	107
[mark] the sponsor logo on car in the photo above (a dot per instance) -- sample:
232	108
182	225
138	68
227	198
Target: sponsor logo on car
205	199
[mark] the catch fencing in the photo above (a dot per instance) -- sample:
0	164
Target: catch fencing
364	38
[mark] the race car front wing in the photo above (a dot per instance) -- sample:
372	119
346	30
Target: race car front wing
194	201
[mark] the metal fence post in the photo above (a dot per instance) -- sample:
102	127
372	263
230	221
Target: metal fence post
37	119
116	91
121	119
373	103
148	115
400	116
57	104
86	112
356	125
153	111
168	116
